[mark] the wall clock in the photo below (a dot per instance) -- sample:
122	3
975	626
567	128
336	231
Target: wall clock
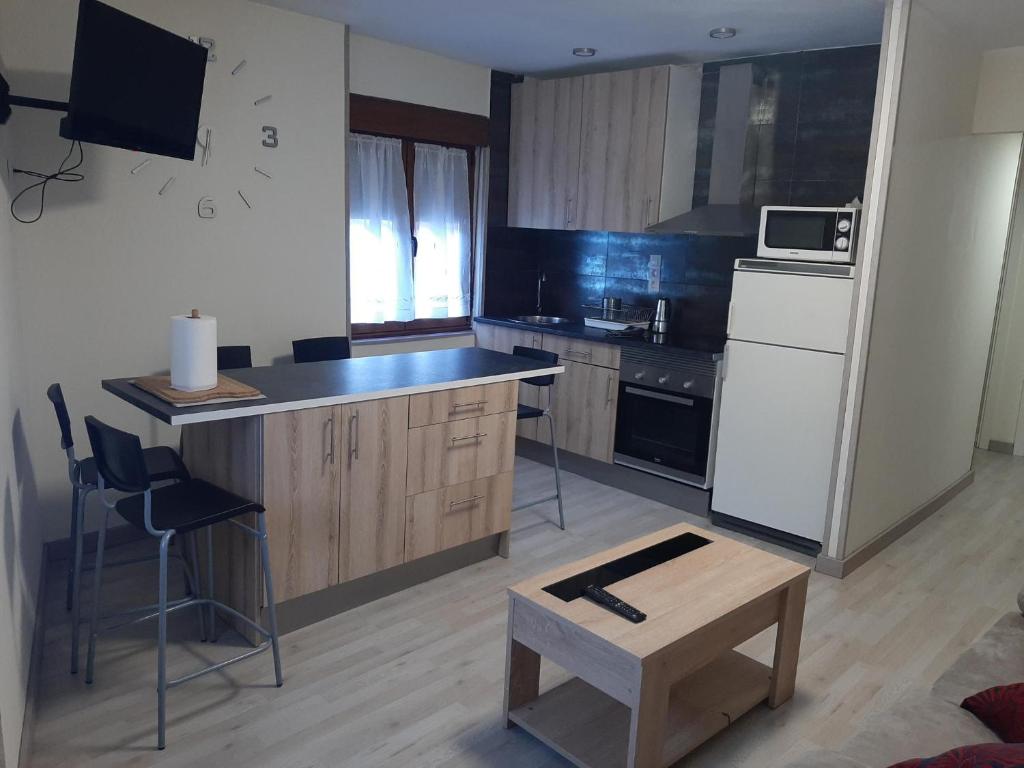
163	172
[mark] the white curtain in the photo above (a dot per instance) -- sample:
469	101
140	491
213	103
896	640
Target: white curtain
380	248
443	234
480	191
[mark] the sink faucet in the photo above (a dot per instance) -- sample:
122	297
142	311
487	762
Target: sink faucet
541	279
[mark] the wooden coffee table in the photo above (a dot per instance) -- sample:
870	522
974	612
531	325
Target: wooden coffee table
646	694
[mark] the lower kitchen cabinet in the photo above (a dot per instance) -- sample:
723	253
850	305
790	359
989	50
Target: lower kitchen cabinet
584	402
459	451
373	458
447	517
301	482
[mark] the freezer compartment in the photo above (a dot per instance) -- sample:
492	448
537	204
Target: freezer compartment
776	436
791	310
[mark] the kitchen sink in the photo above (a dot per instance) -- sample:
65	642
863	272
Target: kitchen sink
540	319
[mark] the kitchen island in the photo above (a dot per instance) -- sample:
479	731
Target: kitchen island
363	465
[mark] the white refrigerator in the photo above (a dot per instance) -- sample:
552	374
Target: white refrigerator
783	371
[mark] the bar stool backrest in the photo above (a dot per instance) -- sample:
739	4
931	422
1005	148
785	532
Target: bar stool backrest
541	355
56	396
320	349
234	357
119	458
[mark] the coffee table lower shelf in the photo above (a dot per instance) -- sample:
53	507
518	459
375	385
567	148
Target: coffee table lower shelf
591	729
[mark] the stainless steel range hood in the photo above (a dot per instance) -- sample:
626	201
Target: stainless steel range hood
734	139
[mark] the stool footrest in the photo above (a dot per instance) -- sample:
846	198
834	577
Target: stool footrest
265	645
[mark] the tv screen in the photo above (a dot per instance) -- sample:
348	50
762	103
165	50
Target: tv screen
134	85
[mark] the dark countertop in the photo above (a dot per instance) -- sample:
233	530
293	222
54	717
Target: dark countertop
707	348
314	385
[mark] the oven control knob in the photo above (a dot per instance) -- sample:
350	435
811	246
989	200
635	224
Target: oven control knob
842	243
844	225
639	375
663	379
688	384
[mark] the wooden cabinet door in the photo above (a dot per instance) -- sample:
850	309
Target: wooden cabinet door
544	152
622	149
372	455
301	473
502	339
585	399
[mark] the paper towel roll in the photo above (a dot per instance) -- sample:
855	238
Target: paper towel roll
193	352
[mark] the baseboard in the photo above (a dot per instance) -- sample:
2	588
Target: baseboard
840	568
28	724
998	446
61	549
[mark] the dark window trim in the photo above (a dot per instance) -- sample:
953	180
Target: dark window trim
416	123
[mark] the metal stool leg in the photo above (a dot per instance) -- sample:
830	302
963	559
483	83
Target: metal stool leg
97	581
211	623
76	578
190	547
73	538
161	662
268	581
558	479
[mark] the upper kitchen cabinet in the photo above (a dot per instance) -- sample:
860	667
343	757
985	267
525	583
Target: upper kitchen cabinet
545	153
612	151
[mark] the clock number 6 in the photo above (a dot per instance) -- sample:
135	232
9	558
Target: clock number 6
270	136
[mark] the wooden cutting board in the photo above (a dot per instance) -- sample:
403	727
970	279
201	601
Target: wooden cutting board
227	390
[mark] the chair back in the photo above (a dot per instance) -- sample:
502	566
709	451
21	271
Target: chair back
542	356
56	396
119	458
320	349
234	357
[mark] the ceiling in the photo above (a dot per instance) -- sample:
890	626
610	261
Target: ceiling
537	36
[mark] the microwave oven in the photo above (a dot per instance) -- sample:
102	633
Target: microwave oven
791	233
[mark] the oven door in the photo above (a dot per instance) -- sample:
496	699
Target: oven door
664	433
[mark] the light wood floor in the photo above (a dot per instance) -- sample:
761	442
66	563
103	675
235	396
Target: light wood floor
415	679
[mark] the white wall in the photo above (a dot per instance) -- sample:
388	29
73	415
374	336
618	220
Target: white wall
999	107
111	260
389	71
20	529
944	234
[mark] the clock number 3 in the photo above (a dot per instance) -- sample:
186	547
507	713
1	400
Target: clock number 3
270	136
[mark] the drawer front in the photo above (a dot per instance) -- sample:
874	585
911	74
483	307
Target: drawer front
459	451
445	518
462	403
580	351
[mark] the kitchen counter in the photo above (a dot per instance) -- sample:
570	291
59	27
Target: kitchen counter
315	385
697	346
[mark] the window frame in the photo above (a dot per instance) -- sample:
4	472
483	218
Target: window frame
412	124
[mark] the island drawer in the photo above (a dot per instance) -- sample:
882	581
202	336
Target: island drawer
459	451
447	517
463	403
580	351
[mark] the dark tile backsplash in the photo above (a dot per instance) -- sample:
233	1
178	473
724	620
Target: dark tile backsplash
583	267
813	127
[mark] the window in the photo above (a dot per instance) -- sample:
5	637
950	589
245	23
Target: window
410	236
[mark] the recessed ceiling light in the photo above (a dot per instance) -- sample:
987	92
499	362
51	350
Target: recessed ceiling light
584	52
722	33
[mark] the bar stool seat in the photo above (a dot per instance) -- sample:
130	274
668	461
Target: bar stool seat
162	463
185	507
528	412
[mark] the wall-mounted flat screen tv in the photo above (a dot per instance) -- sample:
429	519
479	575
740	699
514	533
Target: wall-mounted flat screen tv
134	85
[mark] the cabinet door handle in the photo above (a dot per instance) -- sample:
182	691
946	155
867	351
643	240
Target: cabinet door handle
609	397
353	437
470	500
477	436
570	216
475	406
330	440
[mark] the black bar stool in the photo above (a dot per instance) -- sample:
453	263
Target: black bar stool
529	412
234	357
164	513
320	349
162	464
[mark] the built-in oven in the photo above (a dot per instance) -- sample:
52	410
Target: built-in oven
667	415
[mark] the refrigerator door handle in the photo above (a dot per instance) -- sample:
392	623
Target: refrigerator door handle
728	322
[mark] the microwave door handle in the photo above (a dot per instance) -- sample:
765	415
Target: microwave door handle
659	396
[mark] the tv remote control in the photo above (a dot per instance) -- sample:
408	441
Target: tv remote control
612	603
